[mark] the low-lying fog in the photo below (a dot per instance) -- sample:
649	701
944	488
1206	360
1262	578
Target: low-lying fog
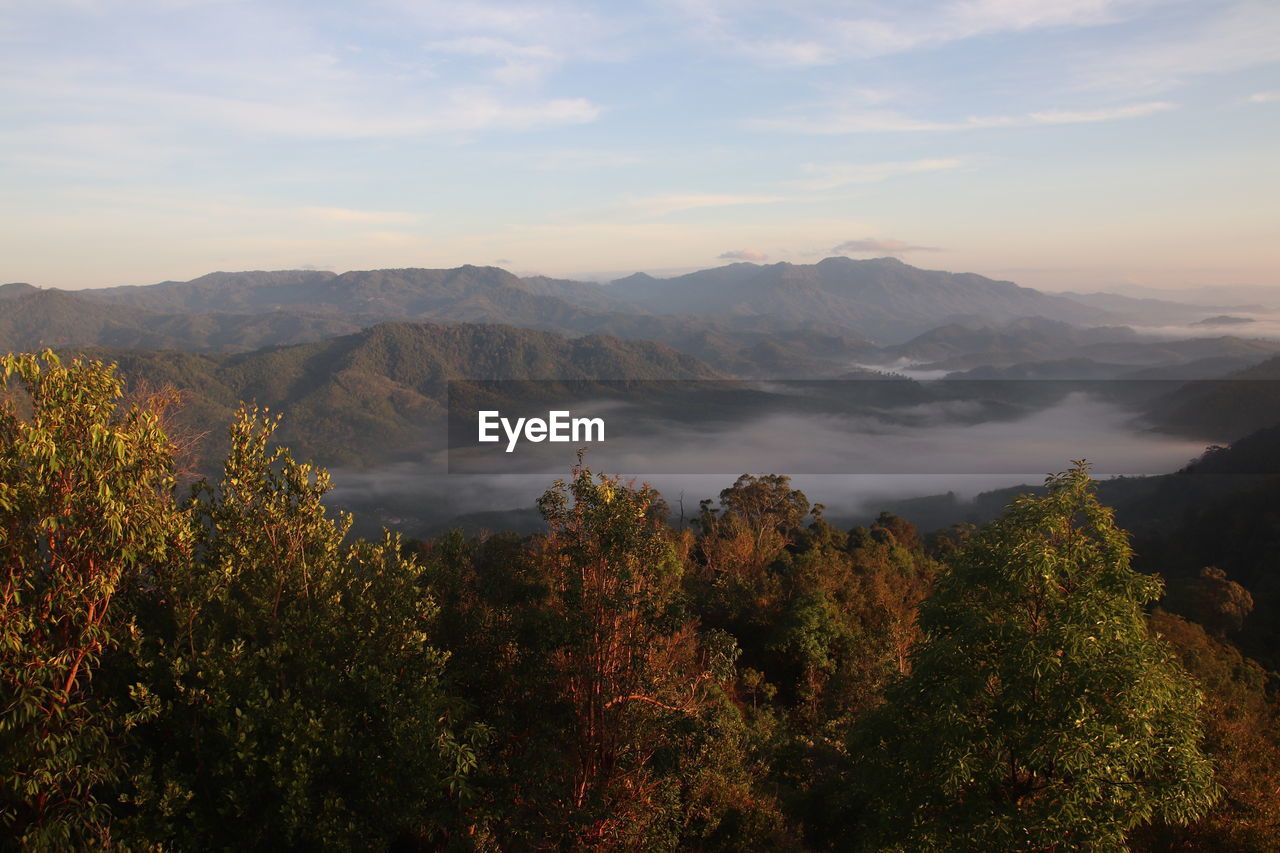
849	465
1257	325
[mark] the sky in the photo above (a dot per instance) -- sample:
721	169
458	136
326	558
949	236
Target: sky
1062	144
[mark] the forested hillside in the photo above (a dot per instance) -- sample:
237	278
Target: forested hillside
881	299
229	669
380	392
36	319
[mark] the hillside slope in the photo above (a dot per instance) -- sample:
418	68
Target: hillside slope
376	395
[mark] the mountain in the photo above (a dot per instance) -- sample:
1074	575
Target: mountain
1223	409
883	299
1224	320
1245	297
16	289
468	294
771	321
1150	311
35	319
233	292
1035	345
1021	340
585	294
471	294
375	396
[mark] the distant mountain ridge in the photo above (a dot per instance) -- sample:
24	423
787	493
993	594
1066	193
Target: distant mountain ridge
14	289
885	299
1033	340
759	321
34	319
467	293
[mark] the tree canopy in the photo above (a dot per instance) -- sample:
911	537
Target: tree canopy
1039	713
228	667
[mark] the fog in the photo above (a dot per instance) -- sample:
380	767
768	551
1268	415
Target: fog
848	464
905	367
1260	325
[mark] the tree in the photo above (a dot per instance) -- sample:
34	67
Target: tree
1039	713
1239	719
631	669
86	510
1221	604
302	699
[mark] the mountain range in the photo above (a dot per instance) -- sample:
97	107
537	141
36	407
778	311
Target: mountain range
884	300
359	361
1034	347
763	321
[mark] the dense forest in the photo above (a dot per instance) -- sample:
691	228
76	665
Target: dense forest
214	663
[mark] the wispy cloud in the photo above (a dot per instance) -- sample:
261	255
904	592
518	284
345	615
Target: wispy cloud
1104	114
887	121
966	19
752	255
578	159
819	34
663	204
344	215
321	115
515	64
1263	98
828	176
1242	36
876	245
481	67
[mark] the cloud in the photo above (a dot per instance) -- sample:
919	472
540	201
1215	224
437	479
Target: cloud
517	63
343	215
828	176
257	70
875	245
579	159
1239	37
817	34
752	255
321	116
1106	114
887	121
966	19
1263	98
663	204
790	53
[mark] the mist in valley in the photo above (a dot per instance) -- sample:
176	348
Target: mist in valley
854	466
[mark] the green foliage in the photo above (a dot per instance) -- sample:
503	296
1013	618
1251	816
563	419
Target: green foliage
1039	712
1242	738
614	720
824	620
233	671
297	669
379	394
86	507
